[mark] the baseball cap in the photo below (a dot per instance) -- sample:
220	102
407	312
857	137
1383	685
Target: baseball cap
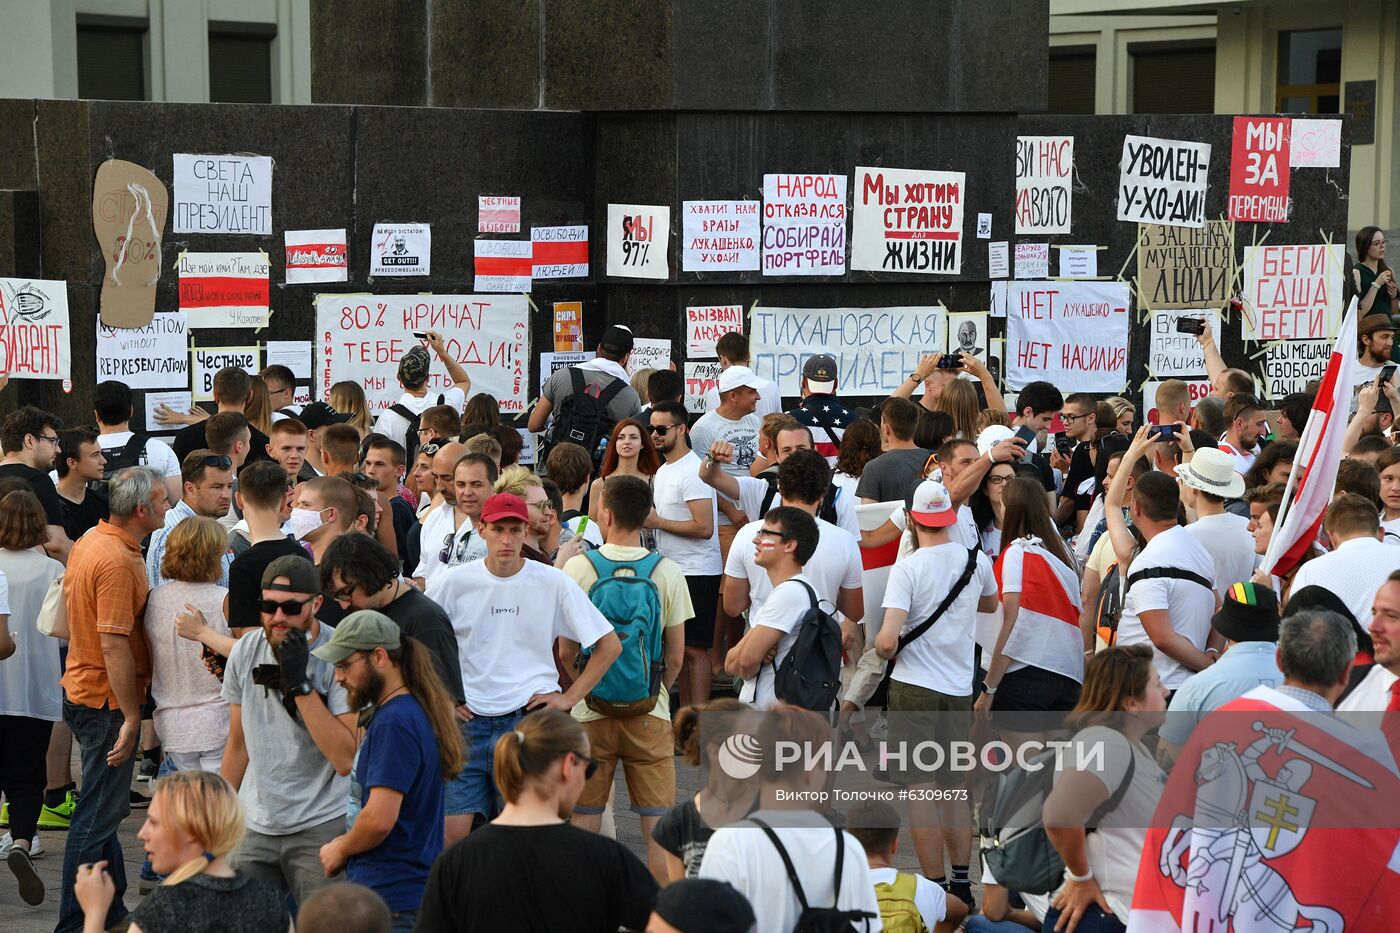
414	366
992	435
932	506
617	340
738	376
363	630
703	905
300	572
504	505
319	414
820	373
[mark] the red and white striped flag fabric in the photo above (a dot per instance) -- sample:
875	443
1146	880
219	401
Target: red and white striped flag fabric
1314	473
498	214
1046	634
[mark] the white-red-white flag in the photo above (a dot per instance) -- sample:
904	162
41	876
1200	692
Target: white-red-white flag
1314	473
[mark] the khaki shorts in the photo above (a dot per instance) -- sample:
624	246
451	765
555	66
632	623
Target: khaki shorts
918	714
645	747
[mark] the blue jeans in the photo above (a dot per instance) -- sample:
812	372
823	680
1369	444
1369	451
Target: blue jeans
103	803
1094	920
167	766
980	924
403	922
474	790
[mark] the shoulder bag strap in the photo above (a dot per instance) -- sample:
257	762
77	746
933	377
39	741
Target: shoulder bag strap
767	496
840	864
906	640
134	447
826	426
1116	797
576	379
1170	573
402	411
787	861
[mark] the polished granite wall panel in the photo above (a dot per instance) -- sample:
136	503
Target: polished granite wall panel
370	52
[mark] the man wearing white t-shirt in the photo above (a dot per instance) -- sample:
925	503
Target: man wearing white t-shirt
111	406
448	534
751	491
1245	425
931	686
507	613
414	369
1207	481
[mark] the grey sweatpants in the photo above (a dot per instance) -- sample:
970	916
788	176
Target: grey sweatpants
292	862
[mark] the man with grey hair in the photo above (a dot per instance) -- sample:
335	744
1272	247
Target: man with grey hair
105	680
1209	415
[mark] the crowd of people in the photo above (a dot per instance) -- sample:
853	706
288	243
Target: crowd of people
383	676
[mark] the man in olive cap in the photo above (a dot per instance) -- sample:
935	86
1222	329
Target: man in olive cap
414	366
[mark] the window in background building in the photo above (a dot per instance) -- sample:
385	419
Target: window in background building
240	64
1173	78
1310	71
111	60
1072	80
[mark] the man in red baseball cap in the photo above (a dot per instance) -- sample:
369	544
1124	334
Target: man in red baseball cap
506	612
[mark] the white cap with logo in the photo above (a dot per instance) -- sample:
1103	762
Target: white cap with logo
932	506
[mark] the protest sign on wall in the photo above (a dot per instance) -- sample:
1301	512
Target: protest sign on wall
156	356
704	324
362	337
638	237
502	265
719	236
179	400
967	333
205	363
35	340
1078	262
907	220
1072	334
649	353
223	194
1291	364
998	266
1163	181
1196	388
496	214
1293	292
1171	353
804	224
401	249
1044	176
551	363
700	378
1259	169
1180	267
984	226
224	289
568	326
316	256
296	356
996	301
1315	144
559	252
129	208
1032	260
875	348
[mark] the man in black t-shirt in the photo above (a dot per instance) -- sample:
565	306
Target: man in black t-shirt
262	491
232	387
30	438
1078	415
79	462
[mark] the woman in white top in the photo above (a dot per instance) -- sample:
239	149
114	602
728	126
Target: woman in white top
31	700
1388	465
1122	700
191	714
988	510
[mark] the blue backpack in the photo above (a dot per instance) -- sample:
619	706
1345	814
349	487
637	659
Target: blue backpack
632	604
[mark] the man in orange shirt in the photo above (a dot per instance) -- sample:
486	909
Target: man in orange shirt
109	667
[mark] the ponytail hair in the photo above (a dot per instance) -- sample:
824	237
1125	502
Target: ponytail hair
716	728
420	676
205	807
537	742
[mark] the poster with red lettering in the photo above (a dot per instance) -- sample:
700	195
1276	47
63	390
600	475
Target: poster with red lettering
1293	291
906	220
804	224
1071	334
34	333
705	324
224	289
1259	169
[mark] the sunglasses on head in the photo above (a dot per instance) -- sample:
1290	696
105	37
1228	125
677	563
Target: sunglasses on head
217	461
289	607
429	449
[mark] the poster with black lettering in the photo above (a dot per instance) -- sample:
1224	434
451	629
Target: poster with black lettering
1073	334
205	363
907	220
1044	177
1180	267
804	224
1163	181
223	194
1174	353
1289	365
638	237
401	249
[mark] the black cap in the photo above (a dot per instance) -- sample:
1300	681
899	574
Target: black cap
319	414
1249	612
701	905
617	340
301	574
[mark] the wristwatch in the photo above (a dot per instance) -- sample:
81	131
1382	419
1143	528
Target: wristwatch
1087	876
988	689
301	689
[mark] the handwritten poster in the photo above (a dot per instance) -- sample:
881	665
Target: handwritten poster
875	348
804	224
1032	260
568	326
700	378
719	236
1293	292
401	249
1259	169
1315	144
1163	181
502	265
223	194
1044	177
649	353
559	252
638	237
205	363
1291	364
704	324
155	356
495	214
224	289
1181	267
1171	353
35	340
316	256
1072	334
906	220
362	337
551	363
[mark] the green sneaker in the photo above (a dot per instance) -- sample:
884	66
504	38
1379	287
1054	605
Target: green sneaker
61	816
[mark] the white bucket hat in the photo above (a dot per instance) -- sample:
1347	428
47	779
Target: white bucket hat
1212	471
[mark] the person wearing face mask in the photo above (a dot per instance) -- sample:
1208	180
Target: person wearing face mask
291	738
323	509
208	490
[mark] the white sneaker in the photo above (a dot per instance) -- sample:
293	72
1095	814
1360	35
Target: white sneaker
36	848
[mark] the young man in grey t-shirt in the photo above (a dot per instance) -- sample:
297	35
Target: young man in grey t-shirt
896	473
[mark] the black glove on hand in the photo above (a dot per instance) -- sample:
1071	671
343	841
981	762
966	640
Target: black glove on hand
293	656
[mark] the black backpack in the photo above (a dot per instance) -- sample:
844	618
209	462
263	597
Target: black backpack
410	437
810	675
583	416
820	919
130	454
827	511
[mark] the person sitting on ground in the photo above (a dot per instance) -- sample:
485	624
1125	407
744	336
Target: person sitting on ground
696	905
900	894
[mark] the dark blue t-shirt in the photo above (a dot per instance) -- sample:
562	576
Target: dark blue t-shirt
400	752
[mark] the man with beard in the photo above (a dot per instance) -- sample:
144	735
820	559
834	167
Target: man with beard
1375	335
411	745
291	735
1245	424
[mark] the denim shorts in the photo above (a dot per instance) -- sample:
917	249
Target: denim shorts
473	790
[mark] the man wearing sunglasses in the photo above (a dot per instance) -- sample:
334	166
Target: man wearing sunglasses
208	488
291	734
450	536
